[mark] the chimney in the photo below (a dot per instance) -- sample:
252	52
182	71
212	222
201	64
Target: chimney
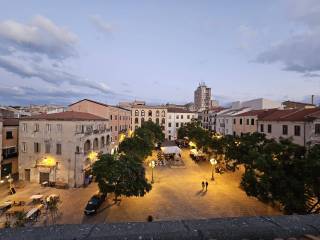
312	99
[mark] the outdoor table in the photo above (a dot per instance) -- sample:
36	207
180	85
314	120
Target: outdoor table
36	198
34	210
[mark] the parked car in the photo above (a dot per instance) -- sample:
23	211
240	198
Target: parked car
94	203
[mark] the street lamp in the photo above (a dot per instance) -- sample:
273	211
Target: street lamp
213	163
152	164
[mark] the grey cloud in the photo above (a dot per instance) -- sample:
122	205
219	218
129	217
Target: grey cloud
55	76
41	35
100	24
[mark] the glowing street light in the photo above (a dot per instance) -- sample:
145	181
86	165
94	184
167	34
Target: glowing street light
152	164
213	163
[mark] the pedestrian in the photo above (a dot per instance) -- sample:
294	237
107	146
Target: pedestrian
202	185
207	185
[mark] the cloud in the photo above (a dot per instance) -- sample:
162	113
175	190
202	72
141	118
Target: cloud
300	52
53	75
41	35
100	24
247	36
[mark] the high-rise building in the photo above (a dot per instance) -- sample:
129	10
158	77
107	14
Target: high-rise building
202	97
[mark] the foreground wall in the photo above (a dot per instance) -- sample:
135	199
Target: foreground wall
223	228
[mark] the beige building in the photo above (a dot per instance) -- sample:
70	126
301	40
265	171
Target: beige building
10	135
202	97
176	118
156	114
1	129
247	122
61	147
302	125
119	117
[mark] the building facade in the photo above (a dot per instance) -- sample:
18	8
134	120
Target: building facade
202	97
10	136
119	117
301	125
1	129
257	104
143	113
176	118
61	147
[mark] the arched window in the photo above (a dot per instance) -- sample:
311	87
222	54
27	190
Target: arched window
149	113
136	120
136	113
157	113
142	120
163	121
157	121
108	139
142	113
150	119
163	113
95	144
102	142
87	146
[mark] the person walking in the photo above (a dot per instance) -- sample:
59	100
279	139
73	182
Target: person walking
202	185
207	185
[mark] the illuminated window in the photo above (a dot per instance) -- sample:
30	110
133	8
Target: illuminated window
142	113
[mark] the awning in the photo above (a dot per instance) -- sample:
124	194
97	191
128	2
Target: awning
171	150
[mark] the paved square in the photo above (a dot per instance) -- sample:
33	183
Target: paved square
176	194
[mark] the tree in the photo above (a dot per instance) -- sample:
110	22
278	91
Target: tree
121	175
151	132
137	147
53	208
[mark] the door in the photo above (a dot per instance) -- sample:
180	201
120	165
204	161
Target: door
44	177
27	175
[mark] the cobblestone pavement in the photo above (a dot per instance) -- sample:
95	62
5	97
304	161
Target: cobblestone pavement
176	194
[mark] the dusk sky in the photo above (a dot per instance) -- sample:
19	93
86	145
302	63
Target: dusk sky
158	51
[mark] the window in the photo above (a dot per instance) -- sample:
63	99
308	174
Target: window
48	127
59	127
269	128
157	113
252	121
36	127
181	116
163	113
297	130
59	149
163	121
234	121
36	147
116	117
9	135
177	124
136	113
188	116
110	128
317	129
261	128
248	121
285	129
116	128
136	120
142	120
157	121
24	127
150	113
177	117
240	121
142	113
24	147
47	147
111	117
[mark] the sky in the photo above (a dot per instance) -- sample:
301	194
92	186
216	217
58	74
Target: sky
158	51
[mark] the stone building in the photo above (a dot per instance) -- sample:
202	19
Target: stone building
202	97
176	118
10	136
119	117
61	147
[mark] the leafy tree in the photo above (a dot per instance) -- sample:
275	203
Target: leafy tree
121	175
53	208
137	147
151	132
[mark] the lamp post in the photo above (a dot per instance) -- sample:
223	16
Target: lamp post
152	164
213	163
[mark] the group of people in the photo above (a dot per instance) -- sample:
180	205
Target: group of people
204	185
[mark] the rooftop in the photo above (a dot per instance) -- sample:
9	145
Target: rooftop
259	113
65	116
10	122
99	103
292	115
178	110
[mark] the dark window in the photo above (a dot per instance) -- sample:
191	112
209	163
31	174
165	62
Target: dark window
36	147
297	130
252	121
240	121
234	121
269	128
110	117
261	128
9	135
169	124
47	147
188	116
181	116
177	124
136	120
285	129
248	121
58	148
317	129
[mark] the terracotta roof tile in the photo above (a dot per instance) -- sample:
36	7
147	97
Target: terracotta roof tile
65	116
292	115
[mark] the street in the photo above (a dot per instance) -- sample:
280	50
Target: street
176	194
